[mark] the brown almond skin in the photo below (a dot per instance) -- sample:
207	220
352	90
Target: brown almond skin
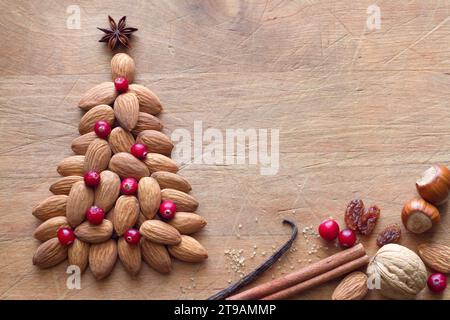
51	207
49	228
108	190
102	258
71	166
147	121
187	222
149	195
352	287
64	184
79	200
123	65
160	232
104	93
80	144
156	256
126	110
78	254
188	250
148	101
120	140
172	181
156	142
91	233
130	256
435	256
158	162
184	201
98	156
126	165
49	254
141	220
100	112
126	213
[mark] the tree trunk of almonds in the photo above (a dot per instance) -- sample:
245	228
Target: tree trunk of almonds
120	196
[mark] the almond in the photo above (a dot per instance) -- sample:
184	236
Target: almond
126	165
80	199
158	162
71	166
126	110
98	155
352	287
160	232
148	101
172	181
53	206
187	222
120	140
100	112
102	258
130	255
156	256
110	215
155	141
49	254
435	256
107	191
189	250
149	195
184	201
81	143
104	93
147	121
123	65
92	233
126	213
141	219
63	185
49	228
79	254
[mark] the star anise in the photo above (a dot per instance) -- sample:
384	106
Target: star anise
117	34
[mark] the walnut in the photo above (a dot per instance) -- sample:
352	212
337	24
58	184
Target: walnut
401	273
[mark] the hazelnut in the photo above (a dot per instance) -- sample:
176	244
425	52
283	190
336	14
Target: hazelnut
419	216
434	184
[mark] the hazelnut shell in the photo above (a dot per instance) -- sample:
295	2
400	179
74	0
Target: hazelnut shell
434	185
419	216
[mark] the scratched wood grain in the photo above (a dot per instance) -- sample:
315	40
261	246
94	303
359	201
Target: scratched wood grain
361	113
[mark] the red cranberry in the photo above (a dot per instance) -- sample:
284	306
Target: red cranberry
139	150
437	282
347	238
95	215
132	236
102	129
329	229
66	236
129	186
92	178
121	84
167	210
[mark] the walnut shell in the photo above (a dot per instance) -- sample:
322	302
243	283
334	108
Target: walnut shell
401	272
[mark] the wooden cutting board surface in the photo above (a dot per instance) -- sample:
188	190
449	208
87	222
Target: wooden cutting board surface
360	113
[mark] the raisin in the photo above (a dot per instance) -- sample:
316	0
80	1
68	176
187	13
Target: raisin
391	234
367	222
353	213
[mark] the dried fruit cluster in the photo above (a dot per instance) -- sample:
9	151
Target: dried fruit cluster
96	219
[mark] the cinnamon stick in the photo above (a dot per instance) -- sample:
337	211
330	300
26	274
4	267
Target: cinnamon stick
301	275
320	279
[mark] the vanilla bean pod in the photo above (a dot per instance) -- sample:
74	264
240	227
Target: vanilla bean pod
252	276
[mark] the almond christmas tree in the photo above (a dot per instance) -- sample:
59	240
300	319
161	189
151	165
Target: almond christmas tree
120	194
